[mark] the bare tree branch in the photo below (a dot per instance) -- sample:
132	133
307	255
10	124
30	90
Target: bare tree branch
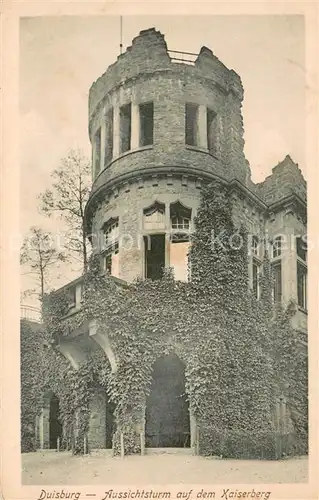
68	196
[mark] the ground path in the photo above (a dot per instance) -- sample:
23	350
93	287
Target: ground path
54	468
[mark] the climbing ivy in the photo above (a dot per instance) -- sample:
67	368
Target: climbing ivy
240	354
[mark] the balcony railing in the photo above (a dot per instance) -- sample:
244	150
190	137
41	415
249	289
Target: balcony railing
183	57
30	313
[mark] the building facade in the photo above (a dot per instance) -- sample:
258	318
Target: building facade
162	124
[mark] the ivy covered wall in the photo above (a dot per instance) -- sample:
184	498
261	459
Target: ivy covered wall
240	355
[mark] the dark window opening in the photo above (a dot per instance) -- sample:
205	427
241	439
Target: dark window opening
97	151
301	244
71	293
191	126
108	259
302	285
277	282
109	138
125	128
146	124
211	130
154	256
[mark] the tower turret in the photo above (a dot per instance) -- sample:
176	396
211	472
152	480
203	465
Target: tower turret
159	128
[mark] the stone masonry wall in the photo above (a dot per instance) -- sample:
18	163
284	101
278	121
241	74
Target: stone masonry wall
129	205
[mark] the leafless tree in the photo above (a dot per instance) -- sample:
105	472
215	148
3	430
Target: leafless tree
39	254
68	197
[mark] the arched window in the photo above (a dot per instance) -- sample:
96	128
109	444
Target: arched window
180	217
154	217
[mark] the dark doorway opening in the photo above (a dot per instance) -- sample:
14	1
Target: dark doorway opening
109	424
167	409
154	256
55	426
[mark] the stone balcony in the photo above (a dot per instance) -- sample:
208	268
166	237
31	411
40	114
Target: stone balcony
76	336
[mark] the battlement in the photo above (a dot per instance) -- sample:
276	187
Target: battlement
286	178
149	54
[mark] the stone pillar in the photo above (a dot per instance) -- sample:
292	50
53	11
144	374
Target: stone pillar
97	423
202	127
193	432
116	131
135	125
41	435
103	141
44	429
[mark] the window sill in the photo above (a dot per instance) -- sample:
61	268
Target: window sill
123	155
203	150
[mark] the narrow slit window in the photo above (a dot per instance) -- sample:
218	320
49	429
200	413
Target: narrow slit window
191	124
125	128
97	152
146	124
109	138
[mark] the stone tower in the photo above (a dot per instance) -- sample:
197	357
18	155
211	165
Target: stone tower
162	124
159	128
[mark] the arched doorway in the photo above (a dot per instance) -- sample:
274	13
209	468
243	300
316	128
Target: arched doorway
48	423
55	426
167	409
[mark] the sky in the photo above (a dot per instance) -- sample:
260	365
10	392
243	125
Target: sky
60	57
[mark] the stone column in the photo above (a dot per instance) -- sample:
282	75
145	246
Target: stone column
116	131
135	125
202	127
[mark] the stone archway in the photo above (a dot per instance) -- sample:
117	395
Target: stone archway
167	411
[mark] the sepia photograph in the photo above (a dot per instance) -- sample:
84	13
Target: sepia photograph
163	253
